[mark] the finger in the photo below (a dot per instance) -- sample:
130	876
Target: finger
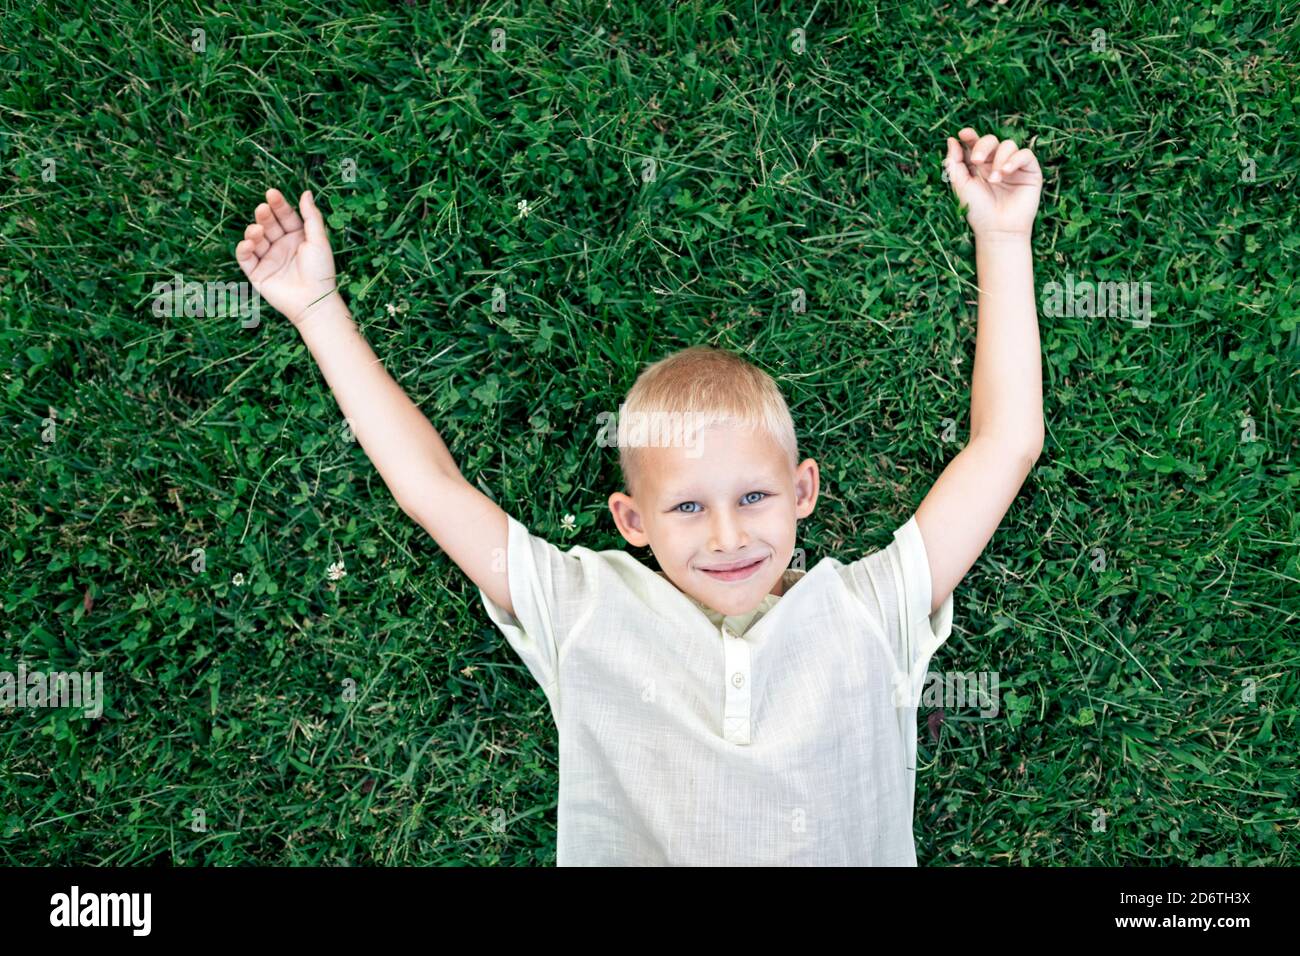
266	219
968	136
1005	149
255	234
955	163
983	148
1022	159
313	222
245	256
284	213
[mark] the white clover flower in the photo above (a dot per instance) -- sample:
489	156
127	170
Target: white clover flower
567	522
238	580
392	309
336	571
523	207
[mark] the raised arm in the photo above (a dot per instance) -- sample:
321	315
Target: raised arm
1000	186
289	261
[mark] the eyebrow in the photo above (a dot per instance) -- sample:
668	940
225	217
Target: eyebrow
690	494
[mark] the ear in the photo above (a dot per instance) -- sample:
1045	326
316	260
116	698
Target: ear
628	519
806	484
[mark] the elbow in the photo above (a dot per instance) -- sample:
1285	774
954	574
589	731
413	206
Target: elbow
412	504
1025	451
1026	447
1033	452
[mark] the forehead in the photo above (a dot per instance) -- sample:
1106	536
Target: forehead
718	455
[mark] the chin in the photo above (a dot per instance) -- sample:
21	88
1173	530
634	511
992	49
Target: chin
737	603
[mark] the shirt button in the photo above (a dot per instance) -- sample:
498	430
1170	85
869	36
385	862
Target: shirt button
738	679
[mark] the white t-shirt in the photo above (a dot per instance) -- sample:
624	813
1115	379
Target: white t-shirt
689	738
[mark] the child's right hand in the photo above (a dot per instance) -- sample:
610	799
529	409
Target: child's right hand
998	184
288	258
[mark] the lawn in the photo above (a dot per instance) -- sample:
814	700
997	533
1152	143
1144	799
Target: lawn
295	674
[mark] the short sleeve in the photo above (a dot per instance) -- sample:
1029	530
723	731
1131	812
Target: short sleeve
552	592
894	583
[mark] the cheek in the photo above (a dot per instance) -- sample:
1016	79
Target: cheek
672	547
778	526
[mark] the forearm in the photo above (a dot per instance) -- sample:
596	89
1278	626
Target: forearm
404	447
1007	382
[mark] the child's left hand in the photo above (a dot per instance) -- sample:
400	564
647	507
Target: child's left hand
998	184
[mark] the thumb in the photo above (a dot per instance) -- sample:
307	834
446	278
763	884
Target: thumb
955	163
312	221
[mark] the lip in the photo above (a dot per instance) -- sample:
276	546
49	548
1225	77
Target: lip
737	572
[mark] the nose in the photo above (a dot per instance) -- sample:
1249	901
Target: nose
726	532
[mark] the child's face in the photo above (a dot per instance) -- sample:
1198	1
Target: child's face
729	502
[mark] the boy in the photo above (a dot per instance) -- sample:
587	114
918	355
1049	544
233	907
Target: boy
724	710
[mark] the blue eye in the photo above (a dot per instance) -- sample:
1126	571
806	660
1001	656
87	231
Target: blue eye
762	494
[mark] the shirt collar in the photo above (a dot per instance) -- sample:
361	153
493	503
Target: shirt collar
741	622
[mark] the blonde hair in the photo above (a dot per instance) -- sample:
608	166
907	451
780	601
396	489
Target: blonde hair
712	386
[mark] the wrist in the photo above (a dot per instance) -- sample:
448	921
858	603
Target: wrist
324	323
326	311
1000	237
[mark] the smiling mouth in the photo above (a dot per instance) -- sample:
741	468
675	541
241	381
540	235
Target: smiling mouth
736	574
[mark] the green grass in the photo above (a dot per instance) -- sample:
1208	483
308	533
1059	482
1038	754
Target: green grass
1122	688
